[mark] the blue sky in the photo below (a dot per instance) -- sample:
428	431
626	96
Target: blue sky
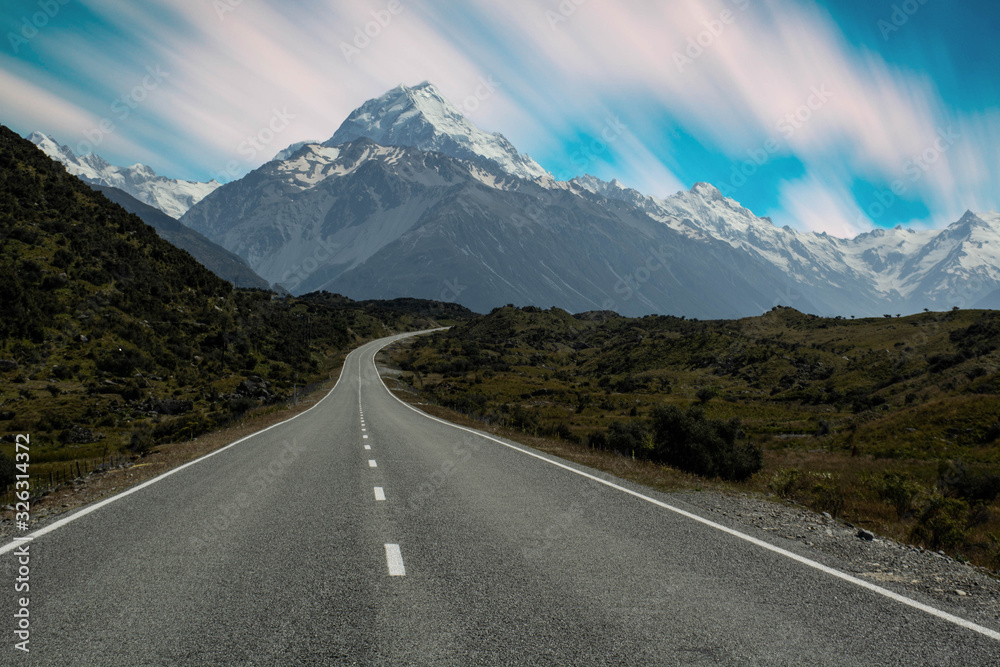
826	116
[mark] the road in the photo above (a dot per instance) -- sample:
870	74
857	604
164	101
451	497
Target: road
363	532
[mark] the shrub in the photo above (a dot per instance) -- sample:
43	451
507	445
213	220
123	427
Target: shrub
943	523
828	496
898	490
705	394
8	473
141	440
708	447
785	482
241	405
628	438
955	480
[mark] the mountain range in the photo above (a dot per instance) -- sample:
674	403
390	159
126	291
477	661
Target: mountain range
173	197
409	198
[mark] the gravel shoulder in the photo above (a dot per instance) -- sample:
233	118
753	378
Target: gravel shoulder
926	576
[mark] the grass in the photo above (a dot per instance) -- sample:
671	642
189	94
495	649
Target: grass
850	413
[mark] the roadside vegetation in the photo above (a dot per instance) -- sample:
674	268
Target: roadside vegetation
114	342
891	423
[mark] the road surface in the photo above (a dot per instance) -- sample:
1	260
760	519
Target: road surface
363	532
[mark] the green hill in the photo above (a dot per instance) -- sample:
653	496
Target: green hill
880	419
111	337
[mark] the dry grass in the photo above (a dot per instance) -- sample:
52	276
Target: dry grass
161	459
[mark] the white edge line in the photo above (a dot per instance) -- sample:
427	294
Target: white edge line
934	611
394	559
10	546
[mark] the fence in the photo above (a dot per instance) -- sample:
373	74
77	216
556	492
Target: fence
47	482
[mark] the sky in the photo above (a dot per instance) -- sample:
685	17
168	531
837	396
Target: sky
834	117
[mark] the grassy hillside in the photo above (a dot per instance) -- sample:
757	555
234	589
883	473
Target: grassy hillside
893	423
112	339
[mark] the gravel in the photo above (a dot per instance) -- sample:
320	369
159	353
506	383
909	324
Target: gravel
926	576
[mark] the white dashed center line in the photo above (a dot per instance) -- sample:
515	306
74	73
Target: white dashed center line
368	446
379	493
365	437
395	560
372	464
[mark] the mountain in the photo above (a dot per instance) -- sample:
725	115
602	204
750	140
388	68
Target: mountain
881	270
173	197
212	256
291	150
375	221
111	337
420	117
410	198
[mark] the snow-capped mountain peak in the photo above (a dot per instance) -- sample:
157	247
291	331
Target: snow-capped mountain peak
421	117
173	197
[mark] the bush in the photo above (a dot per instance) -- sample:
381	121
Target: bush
181	428
897	490
785	482
705	394
956	481
708	447
141	440
241	405
8	473
828	496
628	438
943	523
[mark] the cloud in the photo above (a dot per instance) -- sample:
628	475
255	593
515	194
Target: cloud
813	204
729	73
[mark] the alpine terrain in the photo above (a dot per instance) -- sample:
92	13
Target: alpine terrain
409	197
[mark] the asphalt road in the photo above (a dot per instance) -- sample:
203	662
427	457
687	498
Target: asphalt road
279	551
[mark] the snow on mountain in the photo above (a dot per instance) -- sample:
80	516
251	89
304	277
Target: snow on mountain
173	197
373	221
291	150
895	269
959	266
362	200
422	118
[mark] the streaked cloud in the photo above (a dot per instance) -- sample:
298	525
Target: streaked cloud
699	85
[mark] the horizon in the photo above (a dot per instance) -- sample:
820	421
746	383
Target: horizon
863	118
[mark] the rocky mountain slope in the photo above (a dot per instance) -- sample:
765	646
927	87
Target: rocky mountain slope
410	198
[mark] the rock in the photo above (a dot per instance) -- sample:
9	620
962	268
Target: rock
77	435
83	339
865	535
826	515
173	406
7	364
960	592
